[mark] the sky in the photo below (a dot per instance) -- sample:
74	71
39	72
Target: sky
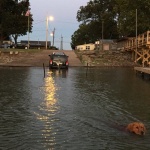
65	23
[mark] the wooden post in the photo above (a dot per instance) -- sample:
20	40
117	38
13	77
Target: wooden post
44	69
87	69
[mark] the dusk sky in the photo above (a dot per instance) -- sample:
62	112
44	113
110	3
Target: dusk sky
65	22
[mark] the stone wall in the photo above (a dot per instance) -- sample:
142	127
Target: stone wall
10	56
106	58
5	57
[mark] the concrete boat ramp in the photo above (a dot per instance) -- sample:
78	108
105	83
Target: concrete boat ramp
29	59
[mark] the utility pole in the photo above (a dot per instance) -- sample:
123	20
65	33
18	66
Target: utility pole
28	15
102	29
51	19
61	43
46	32
136	44
28	31
102	32
53	36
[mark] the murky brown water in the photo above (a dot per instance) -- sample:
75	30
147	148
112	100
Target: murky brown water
72	110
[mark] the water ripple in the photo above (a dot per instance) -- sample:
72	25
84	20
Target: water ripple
71	110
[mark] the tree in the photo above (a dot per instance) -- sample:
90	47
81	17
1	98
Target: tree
4	12
13	20
117	17
97	15
126	12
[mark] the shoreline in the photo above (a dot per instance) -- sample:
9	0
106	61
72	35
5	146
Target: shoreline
76	59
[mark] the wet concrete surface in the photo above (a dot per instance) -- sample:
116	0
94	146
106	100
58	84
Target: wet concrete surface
27	59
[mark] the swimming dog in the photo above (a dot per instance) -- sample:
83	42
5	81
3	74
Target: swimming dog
136	128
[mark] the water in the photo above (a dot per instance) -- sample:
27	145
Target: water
72	110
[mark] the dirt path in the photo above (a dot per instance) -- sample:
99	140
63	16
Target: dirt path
37	59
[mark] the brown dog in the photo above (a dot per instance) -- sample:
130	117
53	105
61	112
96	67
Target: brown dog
137	128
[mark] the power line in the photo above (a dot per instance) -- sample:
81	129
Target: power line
40	21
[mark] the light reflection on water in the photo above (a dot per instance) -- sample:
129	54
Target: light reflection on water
49	105
69	110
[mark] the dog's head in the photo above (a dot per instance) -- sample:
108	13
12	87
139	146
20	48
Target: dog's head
137	128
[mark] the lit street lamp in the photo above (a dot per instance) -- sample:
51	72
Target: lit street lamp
51	18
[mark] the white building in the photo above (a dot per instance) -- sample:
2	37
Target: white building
83	47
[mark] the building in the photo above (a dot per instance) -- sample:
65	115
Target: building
83	47
105	45
36	43
98	45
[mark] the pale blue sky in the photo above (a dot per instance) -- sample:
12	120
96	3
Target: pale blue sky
65	23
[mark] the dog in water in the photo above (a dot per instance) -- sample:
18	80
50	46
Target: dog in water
137	128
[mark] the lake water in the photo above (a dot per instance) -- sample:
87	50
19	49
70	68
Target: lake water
78	109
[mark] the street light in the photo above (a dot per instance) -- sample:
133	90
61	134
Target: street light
51	18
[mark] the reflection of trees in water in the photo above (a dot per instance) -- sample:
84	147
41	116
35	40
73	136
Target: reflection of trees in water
15	100
14	87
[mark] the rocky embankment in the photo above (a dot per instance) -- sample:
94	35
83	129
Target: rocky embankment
15	58
106	58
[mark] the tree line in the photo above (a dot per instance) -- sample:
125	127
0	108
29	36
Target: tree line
13	19
111	19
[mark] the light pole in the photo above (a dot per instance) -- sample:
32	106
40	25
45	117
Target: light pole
51	18
53	35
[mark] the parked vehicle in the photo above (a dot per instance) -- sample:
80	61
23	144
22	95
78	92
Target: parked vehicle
5	46
36	46
20	45
58	60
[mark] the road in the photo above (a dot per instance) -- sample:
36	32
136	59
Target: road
37	59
